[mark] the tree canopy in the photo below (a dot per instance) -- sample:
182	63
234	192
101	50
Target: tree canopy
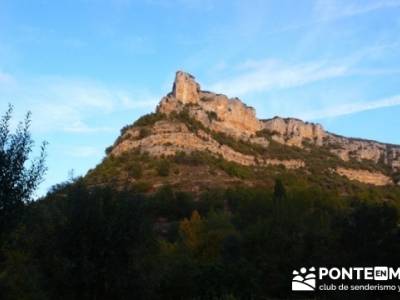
20	175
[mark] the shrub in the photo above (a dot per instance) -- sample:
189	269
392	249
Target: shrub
238	144
194	158
191	122
236	170
212	115
134	169
144	132
125	129
163	167
109	149
266	133
396	177
141	186
149	119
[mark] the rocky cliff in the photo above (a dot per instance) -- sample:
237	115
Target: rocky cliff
214	111
189	119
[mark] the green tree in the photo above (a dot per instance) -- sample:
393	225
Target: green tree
18	180
81	243
279	190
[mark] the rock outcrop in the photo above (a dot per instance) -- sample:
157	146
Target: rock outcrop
215	111
357	149
185	88
230	116
374	178
167	138
294	132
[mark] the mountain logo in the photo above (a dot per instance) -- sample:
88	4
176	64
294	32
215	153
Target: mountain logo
303	280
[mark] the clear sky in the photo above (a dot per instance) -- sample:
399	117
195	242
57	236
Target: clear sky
86	68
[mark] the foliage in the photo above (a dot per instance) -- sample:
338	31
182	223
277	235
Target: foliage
238	145
144	132
193	124
396	177
105	236
113	167
163	167
98	243
87	244
279	190
212	116
193	158
203	157
190	231
169	204
17	180
134	169
149	119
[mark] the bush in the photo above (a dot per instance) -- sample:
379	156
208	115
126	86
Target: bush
194	158
396	177
191	122
149	119
212	115
163	167
144	132
236	170
134	169
141	186
109	149
238	144
266	133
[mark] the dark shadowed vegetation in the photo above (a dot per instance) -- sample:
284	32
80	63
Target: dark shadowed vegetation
97	243
113	235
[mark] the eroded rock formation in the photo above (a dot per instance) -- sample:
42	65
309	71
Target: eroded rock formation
167	138
294	132
232	117
185	88
375	178
215	111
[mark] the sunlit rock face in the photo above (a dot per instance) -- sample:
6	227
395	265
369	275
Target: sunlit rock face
167	138
294	132
358	149
185	88
215	111
230	116
375	178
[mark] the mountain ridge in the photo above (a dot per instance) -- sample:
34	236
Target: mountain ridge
191	120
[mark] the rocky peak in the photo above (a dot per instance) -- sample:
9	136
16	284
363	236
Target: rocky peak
185	88
215	111
230	116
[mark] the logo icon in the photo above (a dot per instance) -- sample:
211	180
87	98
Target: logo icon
381	273
303	280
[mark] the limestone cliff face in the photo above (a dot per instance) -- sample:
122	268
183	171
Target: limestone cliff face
294	132
365	176
169	137
185	89
348	148
215	111
232	117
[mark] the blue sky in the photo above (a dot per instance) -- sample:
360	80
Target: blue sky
86	68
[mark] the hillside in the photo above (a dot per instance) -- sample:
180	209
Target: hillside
202	200
198	139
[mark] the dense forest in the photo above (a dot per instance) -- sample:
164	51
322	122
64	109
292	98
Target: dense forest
93	242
